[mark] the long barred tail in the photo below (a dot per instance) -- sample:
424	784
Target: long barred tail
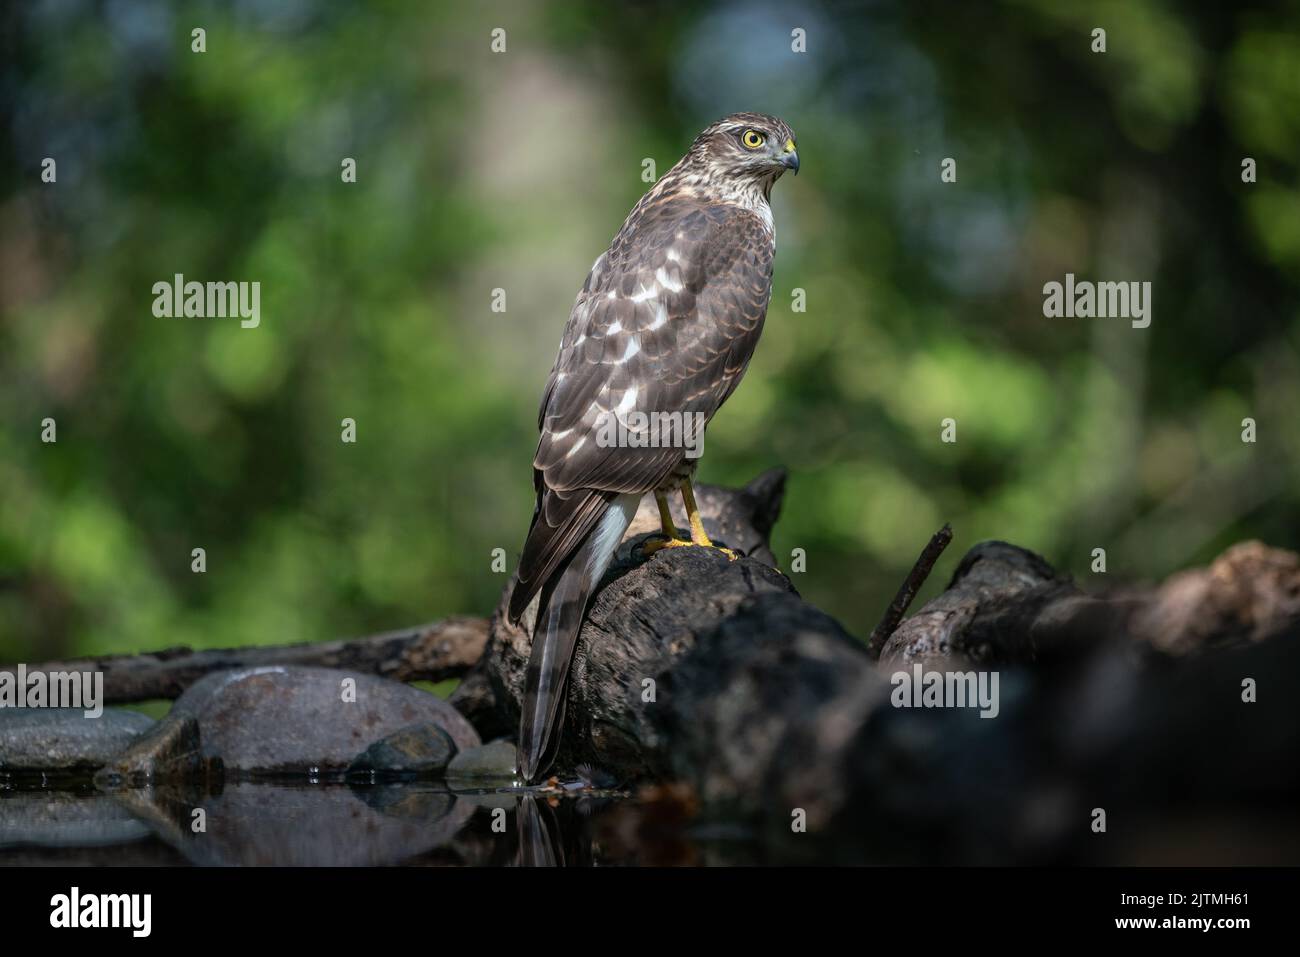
559	618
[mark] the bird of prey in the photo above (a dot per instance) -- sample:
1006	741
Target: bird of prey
660	334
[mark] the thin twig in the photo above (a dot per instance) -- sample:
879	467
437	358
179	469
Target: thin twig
907	591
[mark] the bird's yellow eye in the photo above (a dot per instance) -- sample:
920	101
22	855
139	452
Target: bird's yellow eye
752	139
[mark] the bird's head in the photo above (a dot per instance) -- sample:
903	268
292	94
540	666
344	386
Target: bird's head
746	146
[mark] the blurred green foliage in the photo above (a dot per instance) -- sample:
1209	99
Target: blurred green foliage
481	170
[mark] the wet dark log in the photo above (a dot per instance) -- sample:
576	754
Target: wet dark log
691	666
740	519
1007	605
1004	605
717	675
433	652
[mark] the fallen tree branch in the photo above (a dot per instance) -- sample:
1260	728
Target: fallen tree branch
433	652
717	675
907	591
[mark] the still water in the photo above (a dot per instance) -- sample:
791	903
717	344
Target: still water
255	823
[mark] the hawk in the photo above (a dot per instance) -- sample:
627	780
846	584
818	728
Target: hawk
658	339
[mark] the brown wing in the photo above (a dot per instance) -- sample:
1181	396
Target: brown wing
666	322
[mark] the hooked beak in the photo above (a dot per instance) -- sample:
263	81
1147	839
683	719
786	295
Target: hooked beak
790	158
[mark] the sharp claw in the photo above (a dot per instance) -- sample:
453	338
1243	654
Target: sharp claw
650	546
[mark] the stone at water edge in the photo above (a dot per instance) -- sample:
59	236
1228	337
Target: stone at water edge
495	761
295	720
421	749
173	753
64	739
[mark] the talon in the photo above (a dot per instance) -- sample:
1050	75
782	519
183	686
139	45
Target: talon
650	546
731	556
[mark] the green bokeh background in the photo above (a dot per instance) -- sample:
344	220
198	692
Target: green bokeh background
479	171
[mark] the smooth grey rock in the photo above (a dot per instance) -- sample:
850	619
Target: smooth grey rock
291	720
489	762
421	749
64	739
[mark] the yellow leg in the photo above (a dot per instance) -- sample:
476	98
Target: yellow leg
698	535
670	539
665	516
